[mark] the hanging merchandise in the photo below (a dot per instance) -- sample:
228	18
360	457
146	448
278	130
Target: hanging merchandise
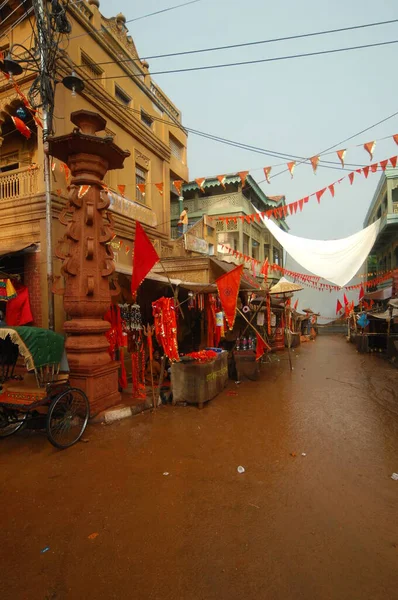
211	321
164	313
114	335
7	290
132	323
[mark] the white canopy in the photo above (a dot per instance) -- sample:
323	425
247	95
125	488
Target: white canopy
337	261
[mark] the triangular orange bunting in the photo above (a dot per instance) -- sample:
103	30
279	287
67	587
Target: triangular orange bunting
319	195
369	147
228	288
290	166
122	189
331	189
59	192
178	185
314	161
301	204
393	161
383	164
141	188
365	171
221	179
159	187
373	167
200	181
243	175
267	171
351	177
341	155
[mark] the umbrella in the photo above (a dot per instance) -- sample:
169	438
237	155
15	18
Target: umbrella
285	287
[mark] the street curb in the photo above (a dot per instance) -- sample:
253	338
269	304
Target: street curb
118	413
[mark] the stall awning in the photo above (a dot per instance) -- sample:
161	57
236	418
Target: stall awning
248	282
10	247
382	294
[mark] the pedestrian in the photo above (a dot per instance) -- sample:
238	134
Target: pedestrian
184	219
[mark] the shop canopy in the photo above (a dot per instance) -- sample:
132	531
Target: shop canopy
337	261
11	247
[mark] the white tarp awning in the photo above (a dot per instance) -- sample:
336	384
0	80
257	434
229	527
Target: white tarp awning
337	261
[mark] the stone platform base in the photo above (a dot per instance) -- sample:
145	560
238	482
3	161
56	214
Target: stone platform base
100	386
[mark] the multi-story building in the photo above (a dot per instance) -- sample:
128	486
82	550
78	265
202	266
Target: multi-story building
230	200
140	117
384	254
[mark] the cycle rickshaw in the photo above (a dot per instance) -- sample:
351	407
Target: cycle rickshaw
43	398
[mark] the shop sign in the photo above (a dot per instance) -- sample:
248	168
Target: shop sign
195	244
133	210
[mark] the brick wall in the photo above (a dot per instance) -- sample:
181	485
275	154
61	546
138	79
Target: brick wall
32	281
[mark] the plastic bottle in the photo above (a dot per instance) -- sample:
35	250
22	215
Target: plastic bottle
238	343
244	345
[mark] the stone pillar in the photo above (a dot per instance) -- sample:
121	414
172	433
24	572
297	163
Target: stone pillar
88	262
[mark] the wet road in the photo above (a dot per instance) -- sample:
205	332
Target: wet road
318	527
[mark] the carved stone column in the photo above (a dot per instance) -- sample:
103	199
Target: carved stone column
88	262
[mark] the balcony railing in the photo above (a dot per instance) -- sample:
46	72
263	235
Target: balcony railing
20	183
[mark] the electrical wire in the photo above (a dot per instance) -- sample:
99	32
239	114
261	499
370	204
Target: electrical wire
248	44
17	22
249	62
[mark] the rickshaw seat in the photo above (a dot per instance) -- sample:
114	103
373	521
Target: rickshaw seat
22	392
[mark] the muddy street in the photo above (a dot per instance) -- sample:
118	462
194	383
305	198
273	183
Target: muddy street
176	521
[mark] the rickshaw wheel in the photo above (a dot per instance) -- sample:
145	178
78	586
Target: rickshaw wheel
11	421
67	418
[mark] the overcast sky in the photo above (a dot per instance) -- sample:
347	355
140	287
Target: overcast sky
296	107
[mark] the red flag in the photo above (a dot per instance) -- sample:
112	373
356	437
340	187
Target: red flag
145	257
395	138
373	167
338	307
383	164
261	347
267	171
369	147
22	128
264	268
178	184
200	181
393	161
228	288
301	204
243	175
365	171
351	177
341	155
361	293
121	188
295	304
141	188
314	161
319	195
331	189
345	299
290	166
159	187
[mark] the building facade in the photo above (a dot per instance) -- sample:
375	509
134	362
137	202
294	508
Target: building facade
230	200
384	206
140	117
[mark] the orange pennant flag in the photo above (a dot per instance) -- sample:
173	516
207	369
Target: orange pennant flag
178	185
331	189
221	179
319	194
267	171
200	181
395	138
369	147
393	161
243	175
121	188
141	188
351	177
373	167
383	164
365	171
314	161
341	155
159	187
290	166
301	204
228	288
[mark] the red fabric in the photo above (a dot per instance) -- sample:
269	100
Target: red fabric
261	347
114	335
145	257
345	300
295	304
361	293
338	307
228	288
18	310
211	321
22	128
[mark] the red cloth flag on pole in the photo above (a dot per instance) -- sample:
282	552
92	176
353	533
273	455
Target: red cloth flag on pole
345	299
261	347
145	257
361	293
267	171
295	304
228	288
338	307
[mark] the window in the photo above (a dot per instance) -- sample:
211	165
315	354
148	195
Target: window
121	96
140	179
146	119
176	149
93	70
